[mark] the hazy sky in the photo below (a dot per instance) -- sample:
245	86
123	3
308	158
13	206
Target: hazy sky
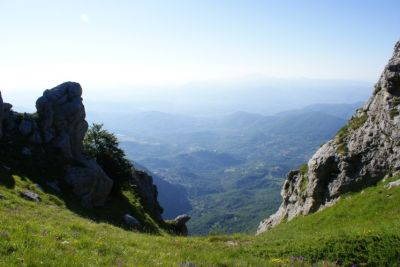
118	43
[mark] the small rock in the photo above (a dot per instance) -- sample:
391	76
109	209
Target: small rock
180	224
26	152
181	220
338	262
131	221
393	184
5	235
187	264
231	243
29	195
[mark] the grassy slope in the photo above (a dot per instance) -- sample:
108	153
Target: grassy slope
48	234
362	228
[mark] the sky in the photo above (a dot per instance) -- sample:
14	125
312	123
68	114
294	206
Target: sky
121	43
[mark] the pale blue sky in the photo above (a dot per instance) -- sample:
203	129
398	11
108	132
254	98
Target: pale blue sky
120	43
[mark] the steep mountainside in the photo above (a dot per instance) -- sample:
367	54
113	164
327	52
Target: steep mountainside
361	154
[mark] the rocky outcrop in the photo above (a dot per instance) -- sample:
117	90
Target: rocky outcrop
393	184
62	118
29	195
60	124
361	154
178	225
181	219
89	182
148	192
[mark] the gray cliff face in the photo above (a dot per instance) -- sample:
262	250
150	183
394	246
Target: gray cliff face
61	123
89	182
62	118
148	192
361	154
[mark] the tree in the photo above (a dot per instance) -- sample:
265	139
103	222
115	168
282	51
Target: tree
104	146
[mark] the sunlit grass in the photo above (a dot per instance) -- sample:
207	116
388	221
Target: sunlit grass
361	228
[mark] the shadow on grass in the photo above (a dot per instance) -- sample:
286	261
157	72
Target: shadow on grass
46	165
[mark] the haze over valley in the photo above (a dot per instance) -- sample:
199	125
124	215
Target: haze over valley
225	168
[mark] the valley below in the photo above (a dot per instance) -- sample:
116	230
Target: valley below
227	171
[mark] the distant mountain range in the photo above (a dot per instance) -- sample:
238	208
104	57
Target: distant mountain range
260	95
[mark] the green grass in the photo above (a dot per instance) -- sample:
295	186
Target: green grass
303	169
362	228
303	184
357	122
46	165
48	234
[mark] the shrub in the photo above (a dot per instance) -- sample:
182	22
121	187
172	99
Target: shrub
357	122
303	169
396	101
104	146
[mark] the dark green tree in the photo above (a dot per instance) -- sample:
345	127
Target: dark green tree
104	146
